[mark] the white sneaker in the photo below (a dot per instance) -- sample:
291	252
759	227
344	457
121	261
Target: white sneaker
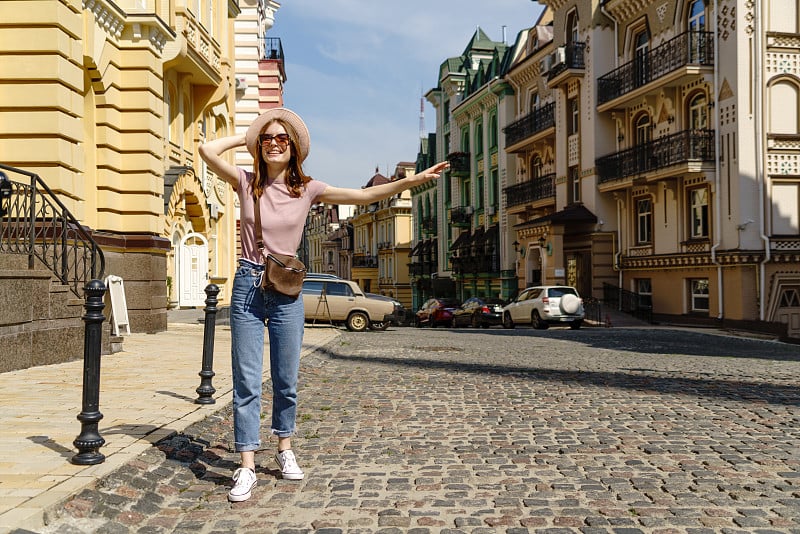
288	464
244	480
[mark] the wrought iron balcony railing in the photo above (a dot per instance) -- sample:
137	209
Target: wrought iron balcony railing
530	191
35	223
573	59
272	48
365	261
461	216
682	147
688	48
532	123
459	163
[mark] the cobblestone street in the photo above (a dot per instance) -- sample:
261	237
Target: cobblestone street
512	431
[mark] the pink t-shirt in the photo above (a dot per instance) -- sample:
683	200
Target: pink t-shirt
282	216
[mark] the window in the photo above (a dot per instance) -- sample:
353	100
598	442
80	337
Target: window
494	188
644	221
466	193
479	193
698	295
572	28
698	112
645	290
573	122
574	185
536	167
696	24
465	139
641	46
698	218
534	102
446	113
479	138
643	129
784	107
492	131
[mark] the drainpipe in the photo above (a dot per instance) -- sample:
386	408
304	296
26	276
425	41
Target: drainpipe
761	182
618	253
717	170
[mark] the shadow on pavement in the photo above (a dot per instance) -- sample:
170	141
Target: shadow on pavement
735	390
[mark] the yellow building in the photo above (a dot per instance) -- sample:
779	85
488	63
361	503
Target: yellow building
107	101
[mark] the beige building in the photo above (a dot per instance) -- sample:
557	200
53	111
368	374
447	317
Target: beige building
107	102
673	159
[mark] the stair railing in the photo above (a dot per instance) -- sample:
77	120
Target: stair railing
34	222
628	302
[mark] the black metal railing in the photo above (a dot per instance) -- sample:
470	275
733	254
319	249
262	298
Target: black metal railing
532	123
429	225
365	261
273	49
36	223
688	48
681	147
459	163
630	302
593	310
461	216
573	59
536	189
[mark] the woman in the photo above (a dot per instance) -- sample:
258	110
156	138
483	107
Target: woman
279	142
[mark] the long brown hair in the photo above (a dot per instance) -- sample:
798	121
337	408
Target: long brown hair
296	179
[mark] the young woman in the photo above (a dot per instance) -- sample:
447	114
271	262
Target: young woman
279	143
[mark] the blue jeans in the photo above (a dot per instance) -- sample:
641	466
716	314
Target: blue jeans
250	306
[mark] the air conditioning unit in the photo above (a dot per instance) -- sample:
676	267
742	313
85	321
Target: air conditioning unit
545	64
241	84
560	55
469	210
213	209
490	211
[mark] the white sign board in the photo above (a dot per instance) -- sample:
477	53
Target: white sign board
119	308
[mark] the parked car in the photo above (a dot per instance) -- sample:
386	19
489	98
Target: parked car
436	311
541	306
343	302
401	314
327	276
478	311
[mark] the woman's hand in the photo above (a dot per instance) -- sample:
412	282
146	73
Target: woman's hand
431	173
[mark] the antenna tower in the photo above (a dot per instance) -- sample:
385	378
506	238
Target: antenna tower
421	116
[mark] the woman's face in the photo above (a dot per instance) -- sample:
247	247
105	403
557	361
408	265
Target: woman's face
275	145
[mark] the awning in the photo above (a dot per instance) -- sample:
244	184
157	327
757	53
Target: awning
574	214
416	250
463	240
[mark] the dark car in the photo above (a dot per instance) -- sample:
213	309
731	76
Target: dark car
479	311
436	312
401	314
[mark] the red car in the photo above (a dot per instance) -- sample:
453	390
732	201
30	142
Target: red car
436	311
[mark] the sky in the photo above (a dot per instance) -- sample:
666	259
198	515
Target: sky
356	70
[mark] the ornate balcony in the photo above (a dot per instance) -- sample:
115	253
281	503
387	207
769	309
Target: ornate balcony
534	122
459	163
682	147
572	58
531	191
688	48
461	217
365	261
429	225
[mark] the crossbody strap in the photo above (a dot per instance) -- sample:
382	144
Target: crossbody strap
258	231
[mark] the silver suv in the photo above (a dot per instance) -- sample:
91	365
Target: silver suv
541	306
343	302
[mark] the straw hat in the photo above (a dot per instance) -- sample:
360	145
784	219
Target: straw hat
303	141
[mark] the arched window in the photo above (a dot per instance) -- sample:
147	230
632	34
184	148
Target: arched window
641	45
536	166
698	112
572	28
643	129
696	24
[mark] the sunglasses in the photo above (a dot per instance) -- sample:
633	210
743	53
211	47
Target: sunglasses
282	140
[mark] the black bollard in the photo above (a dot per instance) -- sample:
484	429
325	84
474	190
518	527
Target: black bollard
206	391
89	440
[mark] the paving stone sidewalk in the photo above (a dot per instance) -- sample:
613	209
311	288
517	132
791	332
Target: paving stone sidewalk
483	431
